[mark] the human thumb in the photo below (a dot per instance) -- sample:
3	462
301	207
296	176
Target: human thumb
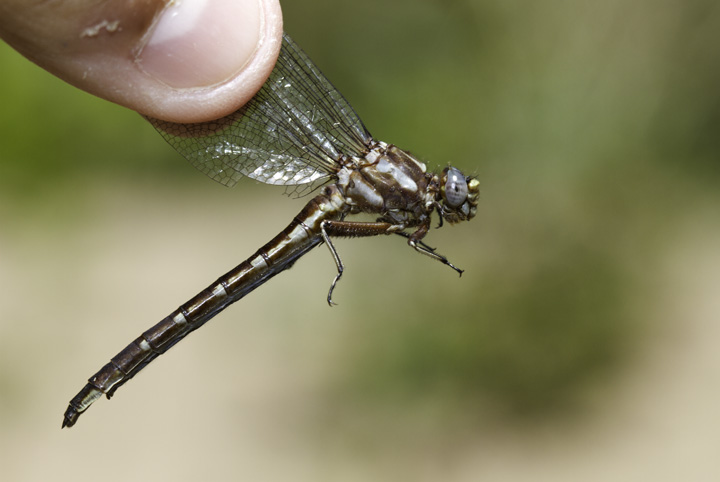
180	61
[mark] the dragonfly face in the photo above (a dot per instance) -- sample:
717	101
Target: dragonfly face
458	196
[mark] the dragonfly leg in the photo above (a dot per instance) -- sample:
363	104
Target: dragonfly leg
407	236
415	240
336	258
352	230
363	229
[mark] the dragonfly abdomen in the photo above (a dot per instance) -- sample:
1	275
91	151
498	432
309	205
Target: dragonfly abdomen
300	236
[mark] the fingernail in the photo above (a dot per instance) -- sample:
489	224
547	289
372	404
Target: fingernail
200	43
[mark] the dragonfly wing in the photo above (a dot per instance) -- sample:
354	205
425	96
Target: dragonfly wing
292	132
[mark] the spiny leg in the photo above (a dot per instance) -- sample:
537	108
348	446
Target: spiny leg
363	229
336	258
352	230
421	248
415	240
421	243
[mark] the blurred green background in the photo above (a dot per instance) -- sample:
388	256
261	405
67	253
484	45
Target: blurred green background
578	345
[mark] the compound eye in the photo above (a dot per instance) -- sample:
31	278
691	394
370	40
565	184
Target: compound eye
456	188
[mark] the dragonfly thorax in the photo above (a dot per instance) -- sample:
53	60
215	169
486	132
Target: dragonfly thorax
390	182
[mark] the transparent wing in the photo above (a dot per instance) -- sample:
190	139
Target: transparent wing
292	132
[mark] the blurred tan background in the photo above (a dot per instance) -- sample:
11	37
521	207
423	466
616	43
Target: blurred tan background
580	344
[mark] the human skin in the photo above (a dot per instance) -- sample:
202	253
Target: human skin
179	61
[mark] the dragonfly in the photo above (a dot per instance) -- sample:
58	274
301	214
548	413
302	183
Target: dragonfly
297	131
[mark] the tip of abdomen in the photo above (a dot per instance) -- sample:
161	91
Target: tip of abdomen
80	403
70	418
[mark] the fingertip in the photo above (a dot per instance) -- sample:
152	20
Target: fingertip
198	44
205	59
179	61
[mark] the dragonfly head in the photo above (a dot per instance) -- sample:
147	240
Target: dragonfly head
458	196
